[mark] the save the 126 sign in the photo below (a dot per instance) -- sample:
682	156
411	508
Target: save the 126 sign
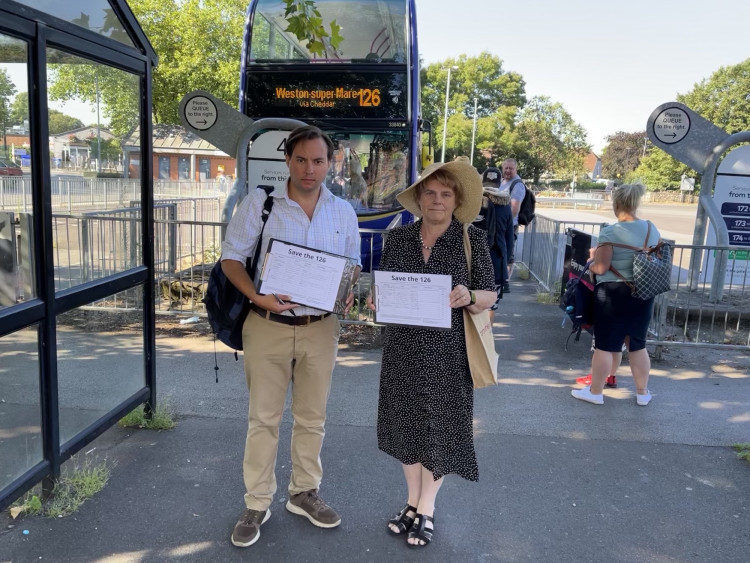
671	125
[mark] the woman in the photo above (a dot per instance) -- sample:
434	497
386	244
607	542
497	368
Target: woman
499	235
618	316
426	400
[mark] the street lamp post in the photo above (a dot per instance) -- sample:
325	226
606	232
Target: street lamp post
473	132
445	113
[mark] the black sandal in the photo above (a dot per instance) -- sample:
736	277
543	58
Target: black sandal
403	521
420	531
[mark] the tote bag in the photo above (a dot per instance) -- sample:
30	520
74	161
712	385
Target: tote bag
480	342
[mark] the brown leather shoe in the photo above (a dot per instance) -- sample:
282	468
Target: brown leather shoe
311	506
247	529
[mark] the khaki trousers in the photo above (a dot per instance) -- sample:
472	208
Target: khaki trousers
276	354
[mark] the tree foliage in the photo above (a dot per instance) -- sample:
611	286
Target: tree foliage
622	154
659	171
19	109
60	123
198	43
499	94
723	98
548	139
7	90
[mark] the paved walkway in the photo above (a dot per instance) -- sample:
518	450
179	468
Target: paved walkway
560	480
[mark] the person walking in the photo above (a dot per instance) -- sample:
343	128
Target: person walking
283	347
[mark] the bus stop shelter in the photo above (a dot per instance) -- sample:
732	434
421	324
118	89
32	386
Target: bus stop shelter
59	389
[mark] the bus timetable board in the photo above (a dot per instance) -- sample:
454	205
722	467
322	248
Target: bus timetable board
327	95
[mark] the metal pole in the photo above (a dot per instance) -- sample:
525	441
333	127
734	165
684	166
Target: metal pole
98	132
445	113
473	132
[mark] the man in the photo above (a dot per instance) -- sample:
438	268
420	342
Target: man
283	346
512	183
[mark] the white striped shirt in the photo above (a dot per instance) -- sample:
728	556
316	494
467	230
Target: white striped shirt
333	228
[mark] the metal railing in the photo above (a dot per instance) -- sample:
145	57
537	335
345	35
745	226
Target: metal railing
75	193
683	316
93	245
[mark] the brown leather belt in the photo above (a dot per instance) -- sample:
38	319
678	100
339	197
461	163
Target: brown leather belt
286	319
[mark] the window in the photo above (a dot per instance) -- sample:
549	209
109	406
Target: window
204	168
183	168
164	168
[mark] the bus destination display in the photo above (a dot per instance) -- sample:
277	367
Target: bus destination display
327	95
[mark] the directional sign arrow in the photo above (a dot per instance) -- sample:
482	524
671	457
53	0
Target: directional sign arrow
670	134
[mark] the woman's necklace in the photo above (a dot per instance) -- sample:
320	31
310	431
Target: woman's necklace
429	248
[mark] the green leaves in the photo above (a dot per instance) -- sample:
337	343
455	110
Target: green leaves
306	23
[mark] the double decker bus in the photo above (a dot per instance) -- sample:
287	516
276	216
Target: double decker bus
350	67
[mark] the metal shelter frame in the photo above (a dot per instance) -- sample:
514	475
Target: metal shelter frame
40	30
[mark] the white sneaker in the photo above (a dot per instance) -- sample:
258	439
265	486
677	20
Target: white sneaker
585	394
643	400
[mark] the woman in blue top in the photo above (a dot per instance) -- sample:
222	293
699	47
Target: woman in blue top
618	316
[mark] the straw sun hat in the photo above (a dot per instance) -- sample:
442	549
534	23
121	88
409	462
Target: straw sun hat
469	182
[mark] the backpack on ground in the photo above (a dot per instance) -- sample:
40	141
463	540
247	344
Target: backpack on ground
527	211
226	306
578	302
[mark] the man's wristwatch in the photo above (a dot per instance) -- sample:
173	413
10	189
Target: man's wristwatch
473	298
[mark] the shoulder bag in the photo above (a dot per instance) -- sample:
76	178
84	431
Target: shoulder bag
652	268
480	342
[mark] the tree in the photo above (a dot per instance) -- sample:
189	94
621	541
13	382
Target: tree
480	77
198	43
60	123
622	154
19	109
723	98
659	171
548	139
7	89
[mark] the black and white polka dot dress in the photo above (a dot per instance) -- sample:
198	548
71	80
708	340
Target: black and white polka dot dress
426	400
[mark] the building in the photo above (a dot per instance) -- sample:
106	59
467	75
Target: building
70	149
593	165
178	155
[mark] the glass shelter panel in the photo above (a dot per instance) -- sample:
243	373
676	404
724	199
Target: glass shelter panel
356	31
16	219
96	210
100	364
94	15
20	408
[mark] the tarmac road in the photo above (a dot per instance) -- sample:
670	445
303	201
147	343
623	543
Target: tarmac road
560	480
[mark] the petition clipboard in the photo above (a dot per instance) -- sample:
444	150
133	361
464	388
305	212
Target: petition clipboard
311	277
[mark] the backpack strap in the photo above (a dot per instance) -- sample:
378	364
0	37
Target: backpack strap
267	206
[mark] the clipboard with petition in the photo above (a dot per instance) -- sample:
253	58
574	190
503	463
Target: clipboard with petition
311	277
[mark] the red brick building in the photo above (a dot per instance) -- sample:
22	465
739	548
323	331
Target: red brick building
178	155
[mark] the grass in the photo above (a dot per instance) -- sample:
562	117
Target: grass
549	297
161	419
78	483
743	451
522	271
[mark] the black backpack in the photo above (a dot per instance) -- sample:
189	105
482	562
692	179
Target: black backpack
487	222
226	306
527	211
578	303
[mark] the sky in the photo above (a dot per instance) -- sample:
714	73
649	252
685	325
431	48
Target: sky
610	64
